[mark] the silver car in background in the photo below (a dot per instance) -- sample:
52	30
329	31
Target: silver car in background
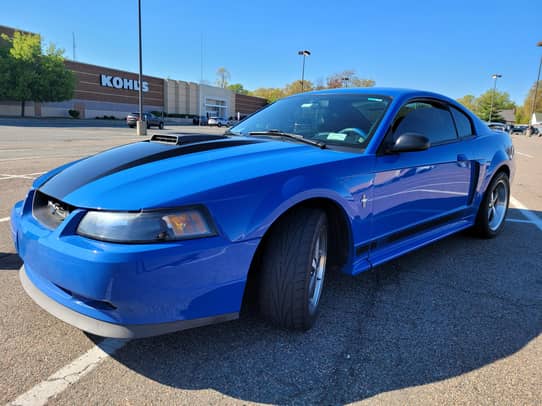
218	121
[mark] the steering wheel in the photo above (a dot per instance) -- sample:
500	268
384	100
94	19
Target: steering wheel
359	132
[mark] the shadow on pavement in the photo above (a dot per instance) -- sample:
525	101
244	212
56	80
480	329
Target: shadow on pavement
9	262
435	314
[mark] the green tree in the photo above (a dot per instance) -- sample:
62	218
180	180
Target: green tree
528	103
295	87
522	116
28	74
271	94
501	101
470	102
238	88
223	77
5	71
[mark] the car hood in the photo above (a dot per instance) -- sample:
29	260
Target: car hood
146	175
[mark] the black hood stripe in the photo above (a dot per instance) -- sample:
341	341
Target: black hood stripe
122	158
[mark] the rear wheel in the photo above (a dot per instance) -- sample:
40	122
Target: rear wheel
293	269
161	125
494	206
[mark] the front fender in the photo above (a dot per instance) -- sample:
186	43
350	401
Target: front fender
246	210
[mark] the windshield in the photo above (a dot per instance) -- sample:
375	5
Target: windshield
334	119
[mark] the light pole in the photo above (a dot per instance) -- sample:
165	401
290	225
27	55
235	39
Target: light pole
533	106
495	76
141	124
305	53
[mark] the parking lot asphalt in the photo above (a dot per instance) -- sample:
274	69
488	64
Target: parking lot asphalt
458	321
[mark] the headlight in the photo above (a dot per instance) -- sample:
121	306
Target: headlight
145	227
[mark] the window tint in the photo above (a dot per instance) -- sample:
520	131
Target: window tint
431	120
462	123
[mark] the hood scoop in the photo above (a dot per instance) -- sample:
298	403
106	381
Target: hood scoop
183	139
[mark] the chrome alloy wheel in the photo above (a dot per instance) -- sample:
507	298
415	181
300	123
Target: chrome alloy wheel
498	204
318	270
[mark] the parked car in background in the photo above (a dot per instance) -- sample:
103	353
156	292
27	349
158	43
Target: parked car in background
175	231
497	126
518	129
151	119
200	120
218	121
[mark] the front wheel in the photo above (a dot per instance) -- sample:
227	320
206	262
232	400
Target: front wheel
494	206
293	269
161	125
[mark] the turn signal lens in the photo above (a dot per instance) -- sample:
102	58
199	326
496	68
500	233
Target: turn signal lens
187	224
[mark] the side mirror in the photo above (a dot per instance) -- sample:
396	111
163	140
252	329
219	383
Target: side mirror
409	142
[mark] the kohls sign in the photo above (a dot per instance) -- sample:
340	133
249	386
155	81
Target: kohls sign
122	83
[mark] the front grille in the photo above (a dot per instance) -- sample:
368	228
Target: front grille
50	211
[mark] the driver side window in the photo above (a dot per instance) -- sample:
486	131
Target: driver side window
431	120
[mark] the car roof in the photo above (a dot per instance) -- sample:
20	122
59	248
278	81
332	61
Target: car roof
384	91
392	92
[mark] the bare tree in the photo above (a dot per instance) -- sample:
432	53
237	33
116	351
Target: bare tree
223	77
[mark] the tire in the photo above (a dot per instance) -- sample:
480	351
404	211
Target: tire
131	126
219	125
293	269
493	208
148	125
161	125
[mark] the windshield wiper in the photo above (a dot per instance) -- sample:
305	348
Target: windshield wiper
281	134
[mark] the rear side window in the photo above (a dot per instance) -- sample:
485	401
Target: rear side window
462	123
431	120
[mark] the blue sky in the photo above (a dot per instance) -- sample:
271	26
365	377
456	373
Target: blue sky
443	46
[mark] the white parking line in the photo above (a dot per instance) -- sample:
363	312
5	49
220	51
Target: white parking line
6	176
533	218
4	219
71	373
523	154
18	159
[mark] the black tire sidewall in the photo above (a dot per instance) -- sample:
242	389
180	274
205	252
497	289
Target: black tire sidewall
482	221
286	269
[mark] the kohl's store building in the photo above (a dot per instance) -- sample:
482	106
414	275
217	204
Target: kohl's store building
102	91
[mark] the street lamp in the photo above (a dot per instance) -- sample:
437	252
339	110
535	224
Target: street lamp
495	76
141	124
533	106
305	53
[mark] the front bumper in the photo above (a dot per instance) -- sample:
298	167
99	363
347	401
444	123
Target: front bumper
129	290
105	329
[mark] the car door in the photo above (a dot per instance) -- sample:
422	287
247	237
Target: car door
417	191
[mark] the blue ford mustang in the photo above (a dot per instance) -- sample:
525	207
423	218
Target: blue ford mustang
173	232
